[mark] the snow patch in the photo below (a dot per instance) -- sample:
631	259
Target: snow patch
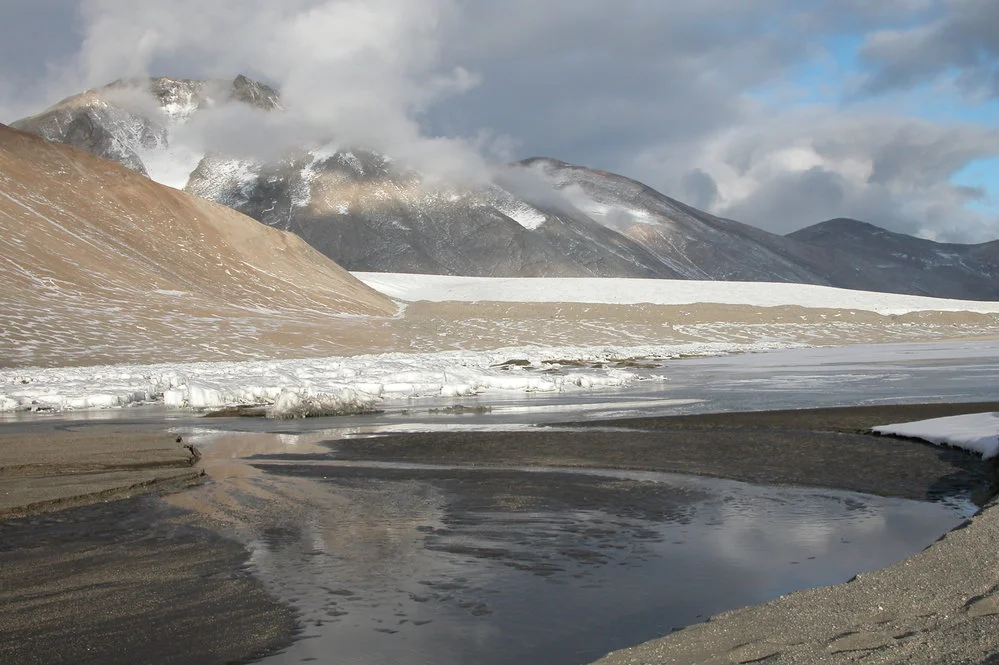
524	214
975	432
229	181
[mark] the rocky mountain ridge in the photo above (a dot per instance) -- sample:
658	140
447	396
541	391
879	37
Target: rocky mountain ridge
539	217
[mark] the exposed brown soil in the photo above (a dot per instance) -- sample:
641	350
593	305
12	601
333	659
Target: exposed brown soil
104	265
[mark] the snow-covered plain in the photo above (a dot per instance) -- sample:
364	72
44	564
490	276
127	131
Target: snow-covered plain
333	385
976	432
628	291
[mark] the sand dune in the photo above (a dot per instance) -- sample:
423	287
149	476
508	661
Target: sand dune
99	264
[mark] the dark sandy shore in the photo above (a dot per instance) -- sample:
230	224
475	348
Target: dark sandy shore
135	580
809	448
95	569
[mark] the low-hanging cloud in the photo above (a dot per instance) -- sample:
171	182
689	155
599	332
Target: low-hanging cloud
360	72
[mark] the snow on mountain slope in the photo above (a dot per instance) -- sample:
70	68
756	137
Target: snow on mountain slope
136	123
622	291
100	264
359	209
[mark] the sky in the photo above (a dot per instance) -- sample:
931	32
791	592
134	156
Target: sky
780	114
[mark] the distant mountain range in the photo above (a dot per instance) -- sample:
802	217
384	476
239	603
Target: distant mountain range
539	217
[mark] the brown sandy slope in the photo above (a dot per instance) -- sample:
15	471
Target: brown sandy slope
99	264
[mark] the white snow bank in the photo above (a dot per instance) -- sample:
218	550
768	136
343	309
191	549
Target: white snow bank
628	291
331	385
977	432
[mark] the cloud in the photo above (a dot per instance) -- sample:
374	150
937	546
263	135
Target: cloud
361	72
798	168
670	93
35	39
590	81
963	42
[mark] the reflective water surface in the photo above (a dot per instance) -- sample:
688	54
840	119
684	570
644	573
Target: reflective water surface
421	565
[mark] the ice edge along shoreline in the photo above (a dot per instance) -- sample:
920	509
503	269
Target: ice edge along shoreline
346	383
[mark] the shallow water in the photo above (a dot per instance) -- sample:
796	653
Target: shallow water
416	564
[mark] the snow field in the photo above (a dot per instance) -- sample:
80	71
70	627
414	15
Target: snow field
630	291
975	432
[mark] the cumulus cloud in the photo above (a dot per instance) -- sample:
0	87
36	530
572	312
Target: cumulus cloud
590	81
671	93
668	93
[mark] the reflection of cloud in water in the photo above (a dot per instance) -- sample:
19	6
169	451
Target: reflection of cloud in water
801	524
418	564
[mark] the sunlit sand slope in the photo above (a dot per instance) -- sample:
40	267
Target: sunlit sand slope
99	264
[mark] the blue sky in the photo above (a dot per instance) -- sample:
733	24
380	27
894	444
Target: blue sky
831	79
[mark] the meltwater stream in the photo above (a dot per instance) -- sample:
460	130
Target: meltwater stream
421	565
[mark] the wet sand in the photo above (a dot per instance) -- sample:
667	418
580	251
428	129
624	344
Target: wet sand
136	580
95	569
46	469
826	448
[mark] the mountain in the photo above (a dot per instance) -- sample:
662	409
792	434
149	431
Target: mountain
101	264
355	206
895	261
133	129
538	218
691	243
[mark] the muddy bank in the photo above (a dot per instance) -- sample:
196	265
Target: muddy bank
53	467
137	580
89	575
938	607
